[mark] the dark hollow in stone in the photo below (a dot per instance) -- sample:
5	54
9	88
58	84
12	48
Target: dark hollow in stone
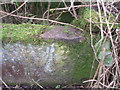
67	34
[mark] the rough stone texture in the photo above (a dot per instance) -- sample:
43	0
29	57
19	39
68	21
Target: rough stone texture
68	34
45	63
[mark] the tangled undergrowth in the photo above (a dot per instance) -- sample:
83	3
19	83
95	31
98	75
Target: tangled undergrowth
107	49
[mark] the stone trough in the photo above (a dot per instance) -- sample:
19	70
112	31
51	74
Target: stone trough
48	63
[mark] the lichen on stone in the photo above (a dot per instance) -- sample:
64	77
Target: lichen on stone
70	62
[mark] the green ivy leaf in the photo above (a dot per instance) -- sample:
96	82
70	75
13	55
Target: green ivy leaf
58	86
107	45
98	45
108	60
106	53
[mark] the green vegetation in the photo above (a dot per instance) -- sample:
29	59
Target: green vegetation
83	21
27	33
74	62
80	55
66	17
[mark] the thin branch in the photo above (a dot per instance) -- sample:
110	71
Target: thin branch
16	9
5	84
76	6
38	84
73	9
41	19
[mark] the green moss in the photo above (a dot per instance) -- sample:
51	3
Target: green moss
81	22
80	55
83	62
84	14
26	33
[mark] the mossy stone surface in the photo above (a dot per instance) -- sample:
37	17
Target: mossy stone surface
27	33
79	56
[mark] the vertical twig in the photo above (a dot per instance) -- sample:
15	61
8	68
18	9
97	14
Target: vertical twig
73	9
